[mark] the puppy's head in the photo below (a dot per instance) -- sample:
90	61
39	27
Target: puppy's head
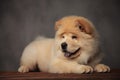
72	34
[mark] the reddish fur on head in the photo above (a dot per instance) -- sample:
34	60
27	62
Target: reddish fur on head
74	21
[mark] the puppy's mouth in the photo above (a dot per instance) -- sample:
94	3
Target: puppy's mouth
69	54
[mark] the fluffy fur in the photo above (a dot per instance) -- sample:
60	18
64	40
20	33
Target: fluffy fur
75	49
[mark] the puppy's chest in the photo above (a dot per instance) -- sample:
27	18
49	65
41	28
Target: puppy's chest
83	61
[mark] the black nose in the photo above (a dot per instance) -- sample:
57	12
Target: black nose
64	45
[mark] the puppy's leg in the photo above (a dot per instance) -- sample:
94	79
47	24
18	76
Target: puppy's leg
65	66
101	68
23	69
26	67
28	59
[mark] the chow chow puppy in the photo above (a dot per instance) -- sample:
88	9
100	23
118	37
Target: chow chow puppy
75	49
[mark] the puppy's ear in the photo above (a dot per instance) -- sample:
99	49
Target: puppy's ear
85	26
57	24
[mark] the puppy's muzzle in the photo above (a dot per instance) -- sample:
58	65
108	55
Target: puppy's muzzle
66	52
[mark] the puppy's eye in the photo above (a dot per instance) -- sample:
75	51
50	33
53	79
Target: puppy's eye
81	28
63	36
74	37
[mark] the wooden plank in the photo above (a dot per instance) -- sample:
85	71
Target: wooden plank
113	75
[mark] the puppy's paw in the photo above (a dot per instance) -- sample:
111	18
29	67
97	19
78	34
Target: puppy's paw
102	68
23	69
85	69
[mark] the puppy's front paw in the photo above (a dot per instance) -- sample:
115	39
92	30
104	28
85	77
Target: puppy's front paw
102	68
85	69
23	69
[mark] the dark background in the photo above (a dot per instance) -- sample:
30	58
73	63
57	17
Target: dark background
23	20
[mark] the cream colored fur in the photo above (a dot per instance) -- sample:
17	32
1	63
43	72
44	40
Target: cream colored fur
47	53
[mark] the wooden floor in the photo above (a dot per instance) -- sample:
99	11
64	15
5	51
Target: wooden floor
113	75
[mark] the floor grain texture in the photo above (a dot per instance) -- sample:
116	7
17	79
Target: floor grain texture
113	75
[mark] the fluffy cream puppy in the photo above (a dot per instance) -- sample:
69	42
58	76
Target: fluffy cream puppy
75	49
